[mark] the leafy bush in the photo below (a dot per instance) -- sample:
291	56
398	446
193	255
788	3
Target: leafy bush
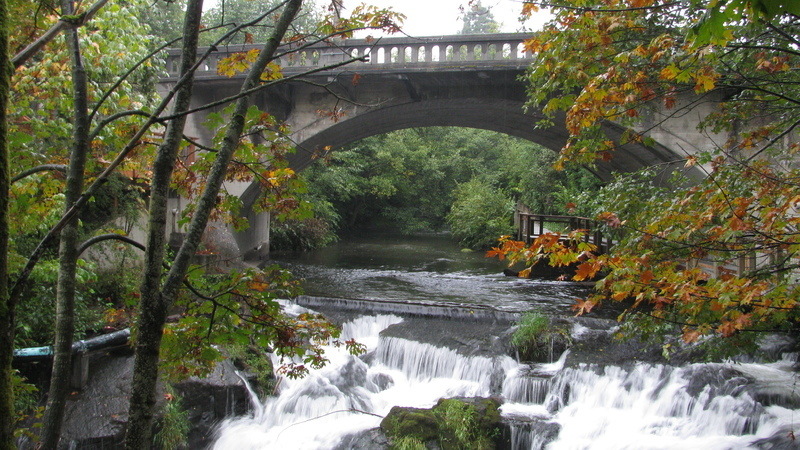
480	214
308	233
407	443
173	424
36	313
535	337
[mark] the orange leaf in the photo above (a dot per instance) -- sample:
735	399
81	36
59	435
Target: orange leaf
690	336
647	276
586	271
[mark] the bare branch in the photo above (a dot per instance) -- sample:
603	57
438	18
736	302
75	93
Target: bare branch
43	168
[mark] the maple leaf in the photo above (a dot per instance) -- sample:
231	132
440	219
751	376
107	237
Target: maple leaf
610	219
583	306
690	335
647	276
586	270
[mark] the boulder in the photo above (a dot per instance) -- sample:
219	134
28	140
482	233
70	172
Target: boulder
452	424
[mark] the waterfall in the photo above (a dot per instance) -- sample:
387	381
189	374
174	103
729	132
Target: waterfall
645	406
349	396
552	406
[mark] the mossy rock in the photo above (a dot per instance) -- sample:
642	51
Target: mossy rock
411	422
453	424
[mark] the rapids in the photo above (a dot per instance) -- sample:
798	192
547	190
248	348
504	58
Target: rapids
578	401
640	406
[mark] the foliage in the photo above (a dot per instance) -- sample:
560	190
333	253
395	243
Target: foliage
535	336
261	158
480	214
452	424
257	362
26	401
459	427
242	308
478	19
405	180
407	443
229	13
307	233
40	121
716	257
173	424
36	315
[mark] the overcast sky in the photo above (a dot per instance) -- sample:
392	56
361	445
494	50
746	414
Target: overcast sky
439	17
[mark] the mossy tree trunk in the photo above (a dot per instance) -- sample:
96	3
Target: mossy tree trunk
152	309
68	247
157	297
6	304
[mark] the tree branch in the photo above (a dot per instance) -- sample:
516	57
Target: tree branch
43	168
32	48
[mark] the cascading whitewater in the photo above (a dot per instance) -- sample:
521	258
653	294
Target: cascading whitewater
348	396
640	406
647	407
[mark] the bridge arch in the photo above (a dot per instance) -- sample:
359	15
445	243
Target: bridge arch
422	84
500	115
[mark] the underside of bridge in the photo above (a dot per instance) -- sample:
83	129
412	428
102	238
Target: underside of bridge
499	115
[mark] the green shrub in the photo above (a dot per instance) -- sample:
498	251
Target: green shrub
36	313
173	424
407	443
459	427
480	214
535	337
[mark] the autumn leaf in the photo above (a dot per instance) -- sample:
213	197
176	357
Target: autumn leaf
586	270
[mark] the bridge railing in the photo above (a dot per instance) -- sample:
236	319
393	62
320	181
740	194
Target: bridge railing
460	50
532	226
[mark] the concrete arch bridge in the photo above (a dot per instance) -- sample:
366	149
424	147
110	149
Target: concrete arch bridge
462	80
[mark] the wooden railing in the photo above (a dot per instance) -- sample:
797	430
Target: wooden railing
532	226
487	51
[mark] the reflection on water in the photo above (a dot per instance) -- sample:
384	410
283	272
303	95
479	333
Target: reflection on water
430	267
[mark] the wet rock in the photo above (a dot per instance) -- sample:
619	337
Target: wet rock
530	433
381	381
372	439
466	338
209	400
96	417
419	423
602	348
783	439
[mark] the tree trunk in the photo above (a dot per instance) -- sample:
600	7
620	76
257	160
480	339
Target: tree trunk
6	305
68	249
152	313
155	303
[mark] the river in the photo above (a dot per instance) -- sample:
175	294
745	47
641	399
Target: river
569	403
427	268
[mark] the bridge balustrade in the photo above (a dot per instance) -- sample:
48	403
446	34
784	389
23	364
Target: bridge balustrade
532	226
500	50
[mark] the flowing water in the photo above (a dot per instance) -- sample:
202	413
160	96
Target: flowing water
428	267
554	405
